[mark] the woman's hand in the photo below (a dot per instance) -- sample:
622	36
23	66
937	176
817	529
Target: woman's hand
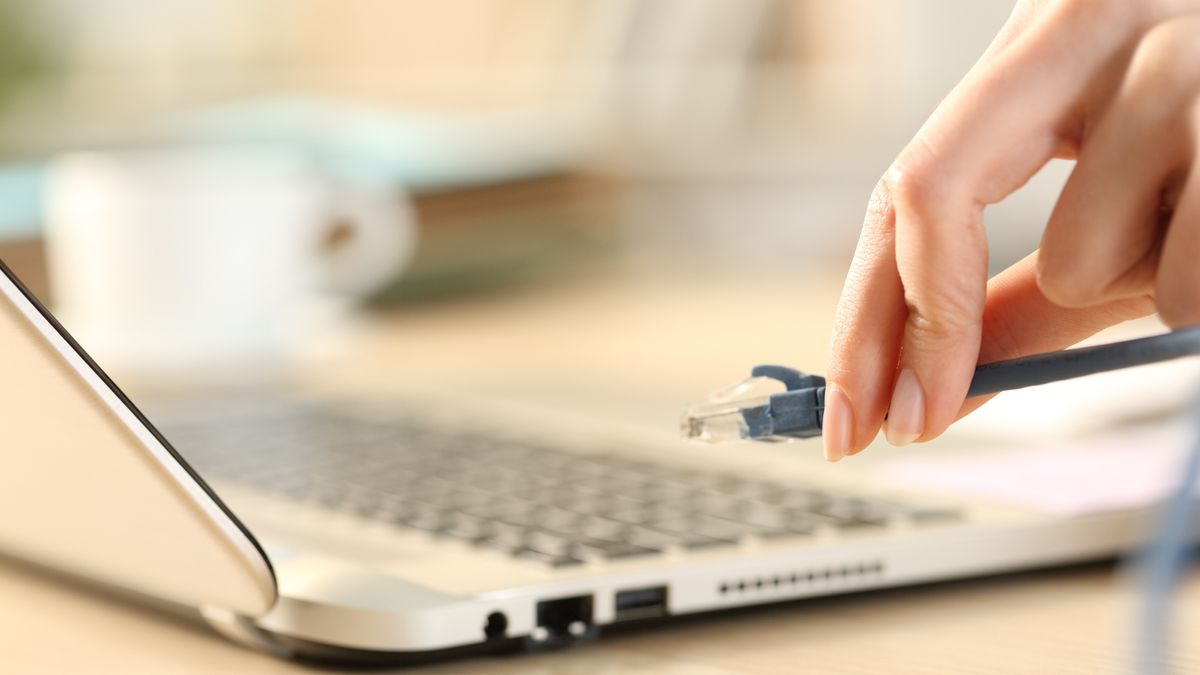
1114	84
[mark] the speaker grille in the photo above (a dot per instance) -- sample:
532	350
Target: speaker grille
792	581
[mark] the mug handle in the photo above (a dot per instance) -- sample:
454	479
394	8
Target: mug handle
369	238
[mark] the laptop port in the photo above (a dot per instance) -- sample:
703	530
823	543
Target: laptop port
563	620
640	603
496	626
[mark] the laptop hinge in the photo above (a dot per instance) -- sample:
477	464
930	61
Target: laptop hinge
242	630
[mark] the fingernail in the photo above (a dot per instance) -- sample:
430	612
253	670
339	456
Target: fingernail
838	425
906	416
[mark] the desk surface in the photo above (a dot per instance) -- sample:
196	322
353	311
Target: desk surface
1073	620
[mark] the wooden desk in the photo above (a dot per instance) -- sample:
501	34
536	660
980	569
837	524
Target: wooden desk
655	344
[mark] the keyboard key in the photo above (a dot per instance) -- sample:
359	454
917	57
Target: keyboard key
644	536
430	519
467	528
504	537
553	560
602	529
548	542
701	531
616	550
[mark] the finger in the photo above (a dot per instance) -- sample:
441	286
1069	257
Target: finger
995	134
1178	284
866	336
1103	239
1019	319
1025	14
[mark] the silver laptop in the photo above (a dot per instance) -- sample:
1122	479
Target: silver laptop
354	532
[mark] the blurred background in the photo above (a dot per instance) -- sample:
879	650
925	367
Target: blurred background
565	199
725	120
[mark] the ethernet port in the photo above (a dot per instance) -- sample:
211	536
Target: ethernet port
563	620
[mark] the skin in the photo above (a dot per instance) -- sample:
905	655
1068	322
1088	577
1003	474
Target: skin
1112	84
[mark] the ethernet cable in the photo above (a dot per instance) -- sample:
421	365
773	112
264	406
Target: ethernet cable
798	412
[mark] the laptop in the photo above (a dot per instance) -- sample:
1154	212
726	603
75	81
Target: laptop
362	532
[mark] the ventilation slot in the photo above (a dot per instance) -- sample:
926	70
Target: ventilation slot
798	580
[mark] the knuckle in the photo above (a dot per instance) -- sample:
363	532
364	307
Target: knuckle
954	312
1178	304
930	329
1166	61
1065	285
1180	312
908	183
916	185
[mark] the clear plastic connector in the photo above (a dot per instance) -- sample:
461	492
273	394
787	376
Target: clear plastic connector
720	418
776	403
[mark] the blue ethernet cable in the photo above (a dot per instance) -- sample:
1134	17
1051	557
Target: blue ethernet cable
798	412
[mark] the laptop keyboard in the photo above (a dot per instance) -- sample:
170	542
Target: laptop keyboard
526	499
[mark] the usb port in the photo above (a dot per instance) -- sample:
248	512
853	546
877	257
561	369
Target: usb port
641	603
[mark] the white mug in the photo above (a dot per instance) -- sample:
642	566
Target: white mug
186	262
